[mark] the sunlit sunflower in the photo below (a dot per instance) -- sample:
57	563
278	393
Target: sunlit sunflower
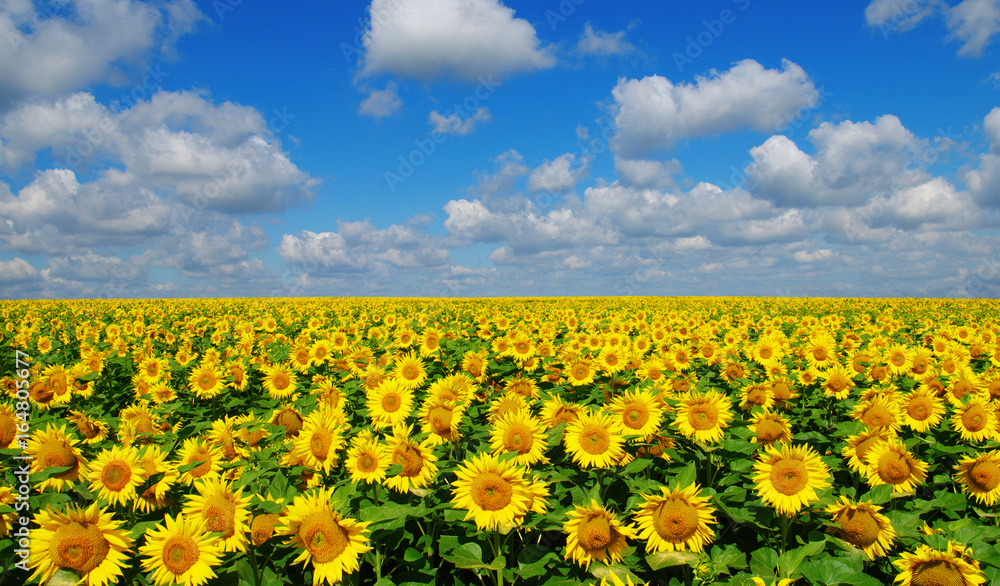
922	409
417	460
180	551
889	462
863	526
595	533
976	420
206	380
279	381
197	460
769	427
493	492
858	446
115	473
788	480
704	416
980	476
580	371
440	419
555	411
931	567
878	413
88	542
506	403
594	440
317	444
410	372
223	510
289	418
51	448
474	363
154	461
367	459
8	498
756	395
836	382
637	412
92	430
676	520
390	404
521	433
332	544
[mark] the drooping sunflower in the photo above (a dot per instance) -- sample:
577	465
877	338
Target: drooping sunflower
788	480
638	412
493	492
93	430
521	433
54	447
317	444
180	551
677	520
89	542
863	526
410	372
390	404
704	416
770	427
595	533
419	464
928	566
980	476
8	426
878	413
200	452
555	411
154	461
367	458
223	511
115	473
440	419
289	418
922	409
976	420
889	462
594	440
756	395
506	403
206	380
279	381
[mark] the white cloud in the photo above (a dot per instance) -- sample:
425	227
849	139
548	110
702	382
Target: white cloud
991	124
428	39
558	175
654	113
975	23
381	103
454	123
509	167
984	180
804	256
603	43
898	15
16	271
645	173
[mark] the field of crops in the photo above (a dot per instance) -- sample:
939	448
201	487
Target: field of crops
545	441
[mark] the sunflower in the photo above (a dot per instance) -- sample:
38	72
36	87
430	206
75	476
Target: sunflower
493	492
704	416
863	526
521	433
367	459
922	409
54	448
928	566
594	439
115	474
677	520
556	411
440	418
638	412
474	363
332	544
206	380
206	459
837	382
409	372
889	462
93	430
976	420
877	413
506	403
980	476
788	480
417	460
594	533
180	551
821	351
580	371
653	369
317	444
88	542
154	461
757	395
769	428
222	510
279	381
390	404
289	418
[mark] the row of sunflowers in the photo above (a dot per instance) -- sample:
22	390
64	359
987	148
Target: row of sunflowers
496	441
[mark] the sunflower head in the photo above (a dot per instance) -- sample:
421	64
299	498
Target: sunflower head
930	567
790	478
676	520
594	533
863	526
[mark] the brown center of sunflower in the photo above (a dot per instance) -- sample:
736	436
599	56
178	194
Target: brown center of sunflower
220	514
920	408
636	415
280	381
789	476
937	573
984	476
79	546
323	537
580	371
734	371
522	347
7	429
877	416
206	381
893	468
675	520
611	359
319	443
440	419
563	415
491	491
367	462
391	402
86	427
769	430
411	372
897	359
116	475
595	532
57	453
756	396
974	418
865	446
858	527
836	383
262	527
409	458
594	439
180	553
200	456
766	353
703	416
819	354
291	421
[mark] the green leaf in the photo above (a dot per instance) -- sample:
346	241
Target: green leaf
763	562
790	561
666	559
686	476
636	466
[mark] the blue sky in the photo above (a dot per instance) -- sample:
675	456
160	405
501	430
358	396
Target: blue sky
187	148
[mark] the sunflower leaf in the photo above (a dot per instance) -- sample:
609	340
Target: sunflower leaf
666	559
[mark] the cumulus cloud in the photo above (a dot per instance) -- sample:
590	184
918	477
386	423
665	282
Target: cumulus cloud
984	180
17	270
466	39
899	15
381	103
601	43
646	173
654	113
454	123
975	23
558	175
509	168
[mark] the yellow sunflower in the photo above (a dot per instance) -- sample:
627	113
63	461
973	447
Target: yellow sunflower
154	461
877	413
289	418
493	492
889	462
180	551
594	440
367	459
279	381
677	520
440	419
331	543
521	433
594	533
222	510
206	380
980	476
88	542
638	412
837	382
556	411
928	566
858	446
54	447
410	372
419	464
580	371
769	428
317	444
205	459
704	416
93	430
390	404
922	409
115	473
976	420
863	526
788	480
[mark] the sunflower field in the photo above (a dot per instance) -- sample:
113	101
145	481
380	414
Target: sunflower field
534	441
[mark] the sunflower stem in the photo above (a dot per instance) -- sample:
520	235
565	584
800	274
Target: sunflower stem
785	522
253	565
